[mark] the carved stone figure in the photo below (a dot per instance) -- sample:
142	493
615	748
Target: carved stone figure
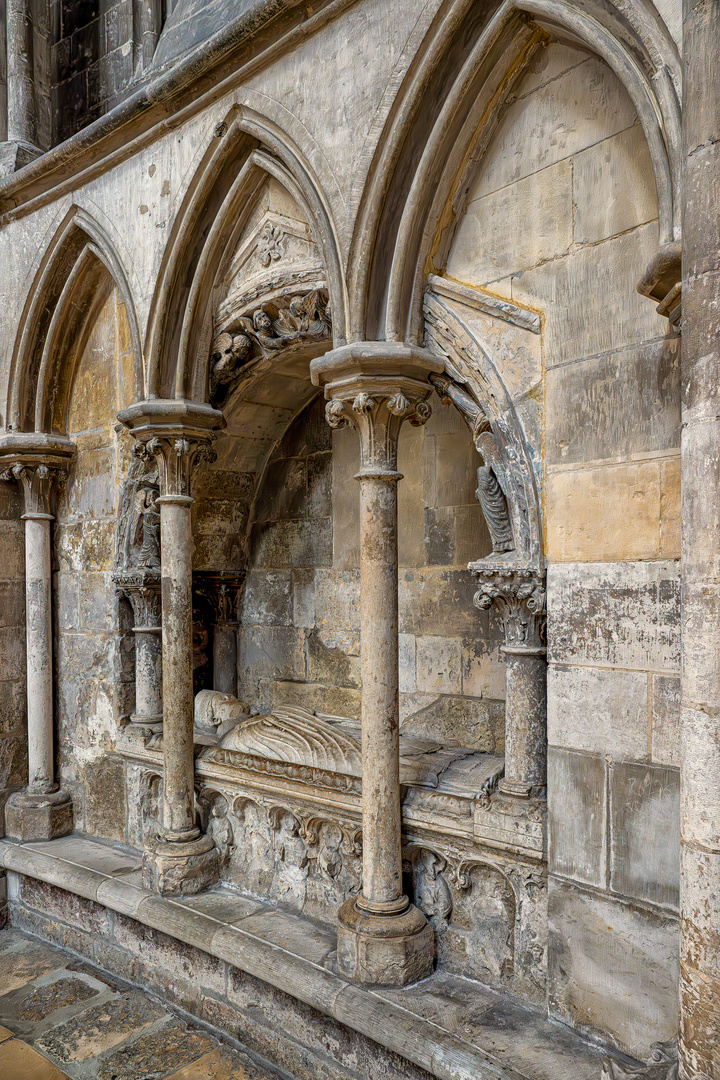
230	353
489	491
220	830
253	841
289	734
270	244
148	527
217	713
255	337
150	803
432	892
291	860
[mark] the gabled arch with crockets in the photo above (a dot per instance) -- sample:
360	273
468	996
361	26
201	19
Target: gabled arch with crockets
77	273
246	150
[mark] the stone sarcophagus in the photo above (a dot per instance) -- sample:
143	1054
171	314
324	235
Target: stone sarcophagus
281	797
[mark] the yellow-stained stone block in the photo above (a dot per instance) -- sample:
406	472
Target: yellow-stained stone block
670	509
18	1060
5	1034
606	513
93	398
216	1065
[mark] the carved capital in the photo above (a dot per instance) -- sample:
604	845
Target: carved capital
176	457
223	591
376	409
36	480
142	589
520	596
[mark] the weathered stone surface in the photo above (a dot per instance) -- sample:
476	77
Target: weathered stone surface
577	846
616	725
612	968
645	832
632	611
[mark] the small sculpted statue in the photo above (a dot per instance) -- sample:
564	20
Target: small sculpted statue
148	528
289	733
489	492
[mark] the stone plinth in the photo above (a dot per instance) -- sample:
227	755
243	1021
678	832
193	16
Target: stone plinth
173	869
384	950
38	817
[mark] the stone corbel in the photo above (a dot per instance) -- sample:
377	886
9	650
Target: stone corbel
662	282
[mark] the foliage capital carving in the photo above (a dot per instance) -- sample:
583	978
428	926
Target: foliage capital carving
176	457
521	597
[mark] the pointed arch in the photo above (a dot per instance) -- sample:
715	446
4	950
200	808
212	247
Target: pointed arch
79	269
247	149
443	119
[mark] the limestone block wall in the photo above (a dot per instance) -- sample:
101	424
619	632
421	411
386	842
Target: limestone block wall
562	217
94	651
300	633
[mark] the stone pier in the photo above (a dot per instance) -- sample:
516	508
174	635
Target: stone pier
382	937
178	435
700	465
42	811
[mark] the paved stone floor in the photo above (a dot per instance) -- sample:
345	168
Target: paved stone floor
60	1017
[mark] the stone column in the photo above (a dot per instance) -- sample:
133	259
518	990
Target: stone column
20	147
382	938
177	434
142	589
520	596
42	811
699	1050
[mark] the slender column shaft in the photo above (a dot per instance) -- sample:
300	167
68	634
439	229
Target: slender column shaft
519	594
525	722
177	661
148	675
20	89
699	1049
382	860
39	653
225	658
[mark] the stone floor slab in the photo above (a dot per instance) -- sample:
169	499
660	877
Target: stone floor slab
223	1064
18	1061
153	1054
101	1027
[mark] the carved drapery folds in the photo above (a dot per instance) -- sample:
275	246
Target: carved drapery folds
490	492
661	1065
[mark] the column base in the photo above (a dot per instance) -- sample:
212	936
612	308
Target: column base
180	869
384	950
38	817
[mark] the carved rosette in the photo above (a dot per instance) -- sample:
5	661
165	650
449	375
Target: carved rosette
377	410
36	480
177	458
520	596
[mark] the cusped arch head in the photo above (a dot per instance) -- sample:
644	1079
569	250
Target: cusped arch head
245	151
445	114
77	273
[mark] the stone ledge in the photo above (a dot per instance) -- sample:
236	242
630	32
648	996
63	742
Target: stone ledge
295	956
